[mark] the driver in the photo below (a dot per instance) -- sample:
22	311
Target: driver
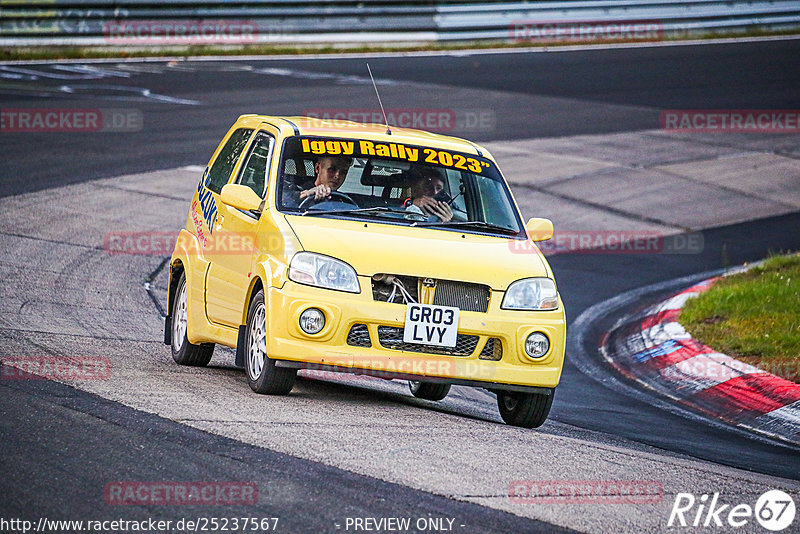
330	173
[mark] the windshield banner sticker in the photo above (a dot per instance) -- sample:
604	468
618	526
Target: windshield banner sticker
361	148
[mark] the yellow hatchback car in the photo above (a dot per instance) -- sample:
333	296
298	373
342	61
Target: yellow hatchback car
359	248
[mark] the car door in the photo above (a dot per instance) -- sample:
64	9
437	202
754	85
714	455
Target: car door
235	236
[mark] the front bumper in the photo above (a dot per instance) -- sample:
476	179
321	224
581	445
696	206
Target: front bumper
329	349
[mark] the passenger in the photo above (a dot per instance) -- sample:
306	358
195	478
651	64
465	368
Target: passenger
428	183
330	172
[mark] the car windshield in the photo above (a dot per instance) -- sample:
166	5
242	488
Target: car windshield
396	183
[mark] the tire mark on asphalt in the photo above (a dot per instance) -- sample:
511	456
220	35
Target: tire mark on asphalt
138	192
707	142
597	205
51	241
82	336
731	190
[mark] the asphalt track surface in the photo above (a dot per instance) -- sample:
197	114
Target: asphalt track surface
41	457
566	93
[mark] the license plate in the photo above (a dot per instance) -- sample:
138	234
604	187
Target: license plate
427	324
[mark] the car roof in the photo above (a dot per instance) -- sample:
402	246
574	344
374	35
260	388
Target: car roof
297	125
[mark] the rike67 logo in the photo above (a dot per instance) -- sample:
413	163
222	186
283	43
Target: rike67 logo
774	510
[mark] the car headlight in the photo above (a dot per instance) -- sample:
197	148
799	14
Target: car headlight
323	271
531	294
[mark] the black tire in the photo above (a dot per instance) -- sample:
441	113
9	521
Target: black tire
183	352
428	390
526	410
262	374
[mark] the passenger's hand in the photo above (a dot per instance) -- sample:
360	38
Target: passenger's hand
443	211
431	206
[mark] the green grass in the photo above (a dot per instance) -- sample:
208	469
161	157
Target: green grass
753	316
26	53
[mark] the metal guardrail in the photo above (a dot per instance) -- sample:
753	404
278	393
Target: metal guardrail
138	22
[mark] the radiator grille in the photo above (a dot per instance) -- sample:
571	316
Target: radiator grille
391	337
462	295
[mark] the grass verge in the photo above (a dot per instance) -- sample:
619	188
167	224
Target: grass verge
753	316
27	53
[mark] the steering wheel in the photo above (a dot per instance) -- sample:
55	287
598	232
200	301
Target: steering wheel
334	195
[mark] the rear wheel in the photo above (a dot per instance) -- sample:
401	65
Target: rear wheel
428	390
526	410
262	374
183	352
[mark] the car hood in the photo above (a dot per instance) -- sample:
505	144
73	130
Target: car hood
372	248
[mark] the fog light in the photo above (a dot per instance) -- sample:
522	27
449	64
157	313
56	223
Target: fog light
537	345
312	320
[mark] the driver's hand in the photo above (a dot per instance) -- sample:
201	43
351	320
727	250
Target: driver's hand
319	192
322	191
431	206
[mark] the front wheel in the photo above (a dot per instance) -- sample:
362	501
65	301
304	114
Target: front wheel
526	410
183	352
428	390
262	374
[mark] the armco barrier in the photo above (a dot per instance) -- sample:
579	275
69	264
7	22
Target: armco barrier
90	22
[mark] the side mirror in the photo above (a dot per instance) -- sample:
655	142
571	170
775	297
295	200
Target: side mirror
241	197
539	229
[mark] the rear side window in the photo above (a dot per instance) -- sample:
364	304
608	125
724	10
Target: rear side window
221	170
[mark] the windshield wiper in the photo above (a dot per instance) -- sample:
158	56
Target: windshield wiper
354	210
480	225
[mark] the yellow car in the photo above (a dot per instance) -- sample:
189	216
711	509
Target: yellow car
362	248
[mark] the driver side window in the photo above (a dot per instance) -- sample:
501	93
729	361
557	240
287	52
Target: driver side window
254	173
